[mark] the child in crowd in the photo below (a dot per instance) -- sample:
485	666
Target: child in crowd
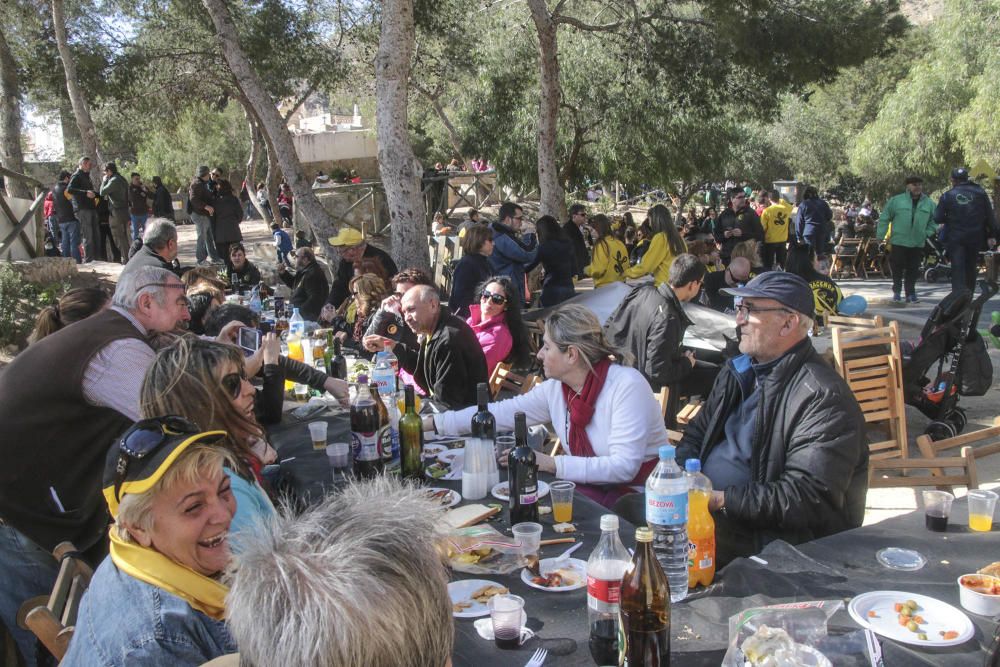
282	243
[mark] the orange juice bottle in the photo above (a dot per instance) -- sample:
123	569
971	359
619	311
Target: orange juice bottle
701	527
294	352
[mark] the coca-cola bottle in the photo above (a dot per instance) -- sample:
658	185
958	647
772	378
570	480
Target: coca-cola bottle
604	581
365	424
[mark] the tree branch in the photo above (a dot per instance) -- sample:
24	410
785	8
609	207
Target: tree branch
300	101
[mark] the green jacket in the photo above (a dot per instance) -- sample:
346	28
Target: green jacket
910	227
116	190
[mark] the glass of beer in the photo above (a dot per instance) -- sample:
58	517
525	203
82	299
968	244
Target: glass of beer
317	433
562	501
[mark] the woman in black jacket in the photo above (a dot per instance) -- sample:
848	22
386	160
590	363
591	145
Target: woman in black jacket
555	254
471	270
228	215
163	205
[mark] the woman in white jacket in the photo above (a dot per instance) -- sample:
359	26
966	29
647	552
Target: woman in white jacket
604	413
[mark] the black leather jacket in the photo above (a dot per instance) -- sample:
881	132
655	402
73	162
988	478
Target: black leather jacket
809	465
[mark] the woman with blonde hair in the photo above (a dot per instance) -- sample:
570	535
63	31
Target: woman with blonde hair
603	412
75	305
664	246
205	382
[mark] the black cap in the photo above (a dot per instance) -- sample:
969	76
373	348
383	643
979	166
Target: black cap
111	166
960	174
910	180
787	289
136	461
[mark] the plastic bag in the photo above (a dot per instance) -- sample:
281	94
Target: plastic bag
783	635
482	549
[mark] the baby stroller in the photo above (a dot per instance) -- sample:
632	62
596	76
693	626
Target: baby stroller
950	359
936	265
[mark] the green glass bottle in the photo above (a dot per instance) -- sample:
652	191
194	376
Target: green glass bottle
411	439
328	354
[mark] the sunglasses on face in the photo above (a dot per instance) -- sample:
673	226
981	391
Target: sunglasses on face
144	438
498	299
233	382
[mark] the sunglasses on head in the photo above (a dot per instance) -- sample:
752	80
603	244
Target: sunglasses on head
498	299
144	438
233	382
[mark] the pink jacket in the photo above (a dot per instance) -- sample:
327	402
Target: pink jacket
494	337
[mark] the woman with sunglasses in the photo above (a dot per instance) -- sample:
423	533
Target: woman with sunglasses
205	382
158	598
664	245
603	412
471	270
496	320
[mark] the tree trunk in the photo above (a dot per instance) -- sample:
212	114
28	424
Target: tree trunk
398	166
72	146
10	121
274	128
81	110
453	138
552	195
255	151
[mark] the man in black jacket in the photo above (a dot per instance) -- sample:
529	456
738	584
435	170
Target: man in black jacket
967	227
577	219
448	362
650	324
737	223
781	436
353	249
85	204
309	284
159	247
69	226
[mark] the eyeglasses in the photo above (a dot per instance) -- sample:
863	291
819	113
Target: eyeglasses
498	299
746	309
233	382
145	437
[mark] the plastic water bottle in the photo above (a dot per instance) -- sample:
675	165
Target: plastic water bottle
296	325
666	514
255	304
604	581
383	374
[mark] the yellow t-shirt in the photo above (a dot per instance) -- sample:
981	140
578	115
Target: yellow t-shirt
656	261
776	220
609	262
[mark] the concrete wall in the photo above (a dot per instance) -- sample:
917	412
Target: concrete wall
335	147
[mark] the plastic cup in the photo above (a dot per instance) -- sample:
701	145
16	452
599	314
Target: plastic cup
562	501
505	612
529	538
339	455
937	509
301	392
981	506
317	433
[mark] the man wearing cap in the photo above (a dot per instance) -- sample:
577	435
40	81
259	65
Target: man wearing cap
62	401
736	223
353	248
309	286
967	227
905	223
780	435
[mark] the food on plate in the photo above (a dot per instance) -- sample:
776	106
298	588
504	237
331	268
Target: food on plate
503	491
948	635
992	569
908	617
556	579
438	470
460	606
443	496
484	594
985	584
872	614
564	528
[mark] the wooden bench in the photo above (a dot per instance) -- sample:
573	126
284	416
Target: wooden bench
53	617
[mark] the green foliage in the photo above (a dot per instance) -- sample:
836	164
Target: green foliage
201	135
20	303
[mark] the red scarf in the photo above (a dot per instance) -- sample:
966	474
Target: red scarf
581	411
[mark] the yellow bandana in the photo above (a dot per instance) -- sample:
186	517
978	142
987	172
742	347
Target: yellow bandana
206	595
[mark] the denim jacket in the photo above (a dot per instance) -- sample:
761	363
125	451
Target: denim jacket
125	622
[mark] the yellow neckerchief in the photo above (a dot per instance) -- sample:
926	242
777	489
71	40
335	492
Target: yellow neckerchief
206	595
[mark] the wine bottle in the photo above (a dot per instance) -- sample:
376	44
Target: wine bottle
523	477
645	608
484	426
411	439
328	354
339	364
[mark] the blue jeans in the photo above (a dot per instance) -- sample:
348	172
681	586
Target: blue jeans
138	225
70	232
28	571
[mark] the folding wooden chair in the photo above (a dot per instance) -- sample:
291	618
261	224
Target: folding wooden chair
936	466
53	618
503	379
536	330
871	362
855	322
846	259
932	448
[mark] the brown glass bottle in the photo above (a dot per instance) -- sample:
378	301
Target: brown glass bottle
384	427
645	608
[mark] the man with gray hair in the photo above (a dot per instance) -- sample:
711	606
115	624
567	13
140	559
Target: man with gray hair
159	247
201	207
377	591
62	400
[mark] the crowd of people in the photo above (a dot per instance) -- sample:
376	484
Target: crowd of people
166	421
